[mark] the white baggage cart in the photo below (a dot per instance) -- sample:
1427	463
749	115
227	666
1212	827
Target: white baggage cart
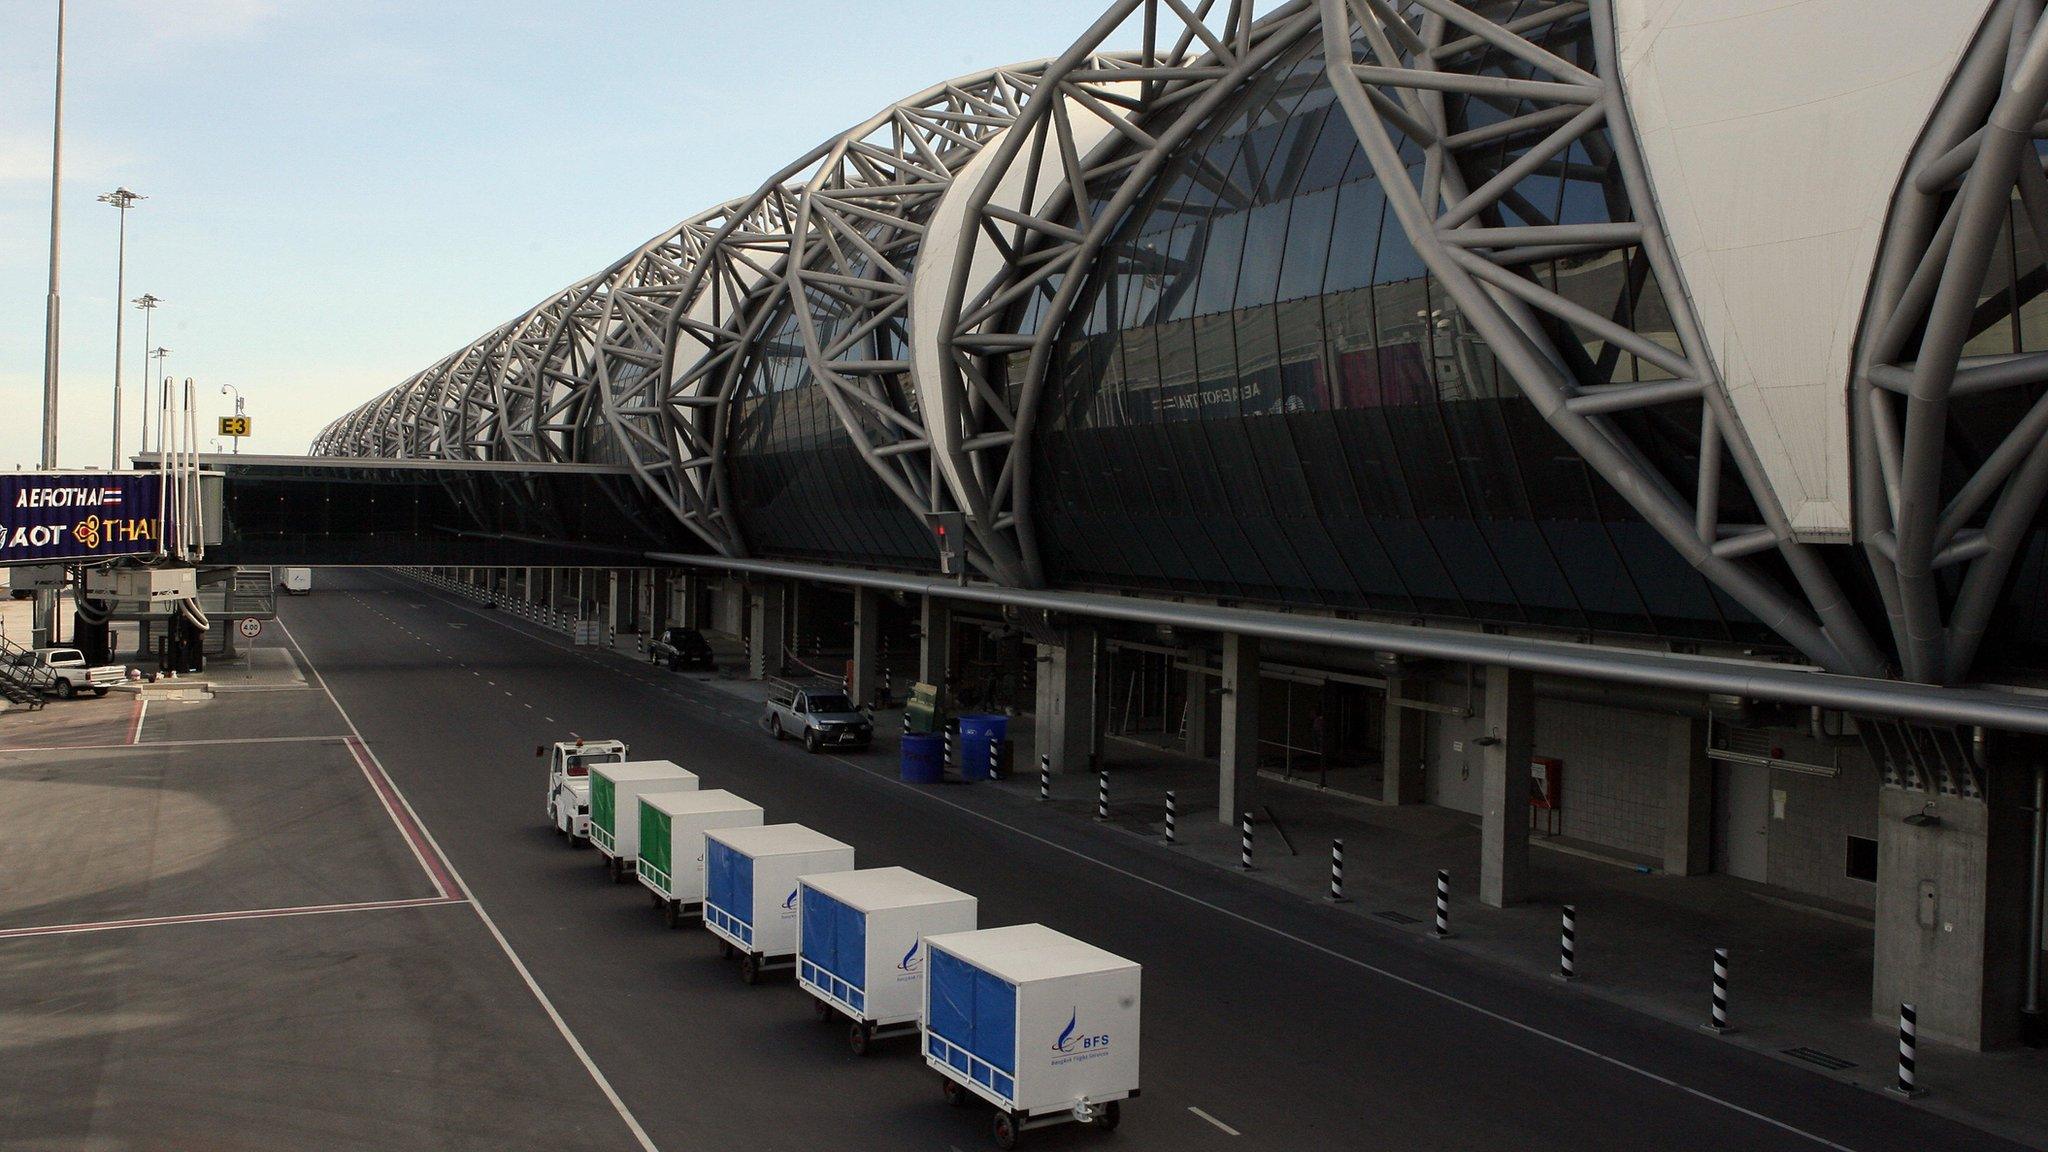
750	877
615	791
860	945
672	827
1035	1022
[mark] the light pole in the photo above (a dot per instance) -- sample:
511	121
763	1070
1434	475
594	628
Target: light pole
43	619
224	390
158	355
147	304
122	199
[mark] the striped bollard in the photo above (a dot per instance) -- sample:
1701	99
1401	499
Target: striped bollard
1567	955
995	756
887	695
1337	871
1244	853
1102	794
1909	1037
1044	776
1170	814
947	763
1718	1022
906	722
1443	905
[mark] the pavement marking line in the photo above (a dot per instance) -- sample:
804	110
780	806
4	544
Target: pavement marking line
408	827
174	744
141	710
1227	1129
562	1026
224	917
1446	997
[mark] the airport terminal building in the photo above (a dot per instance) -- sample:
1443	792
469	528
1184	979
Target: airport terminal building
1393	398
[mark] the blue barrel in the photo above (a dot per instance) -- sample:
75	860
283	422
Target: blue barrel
975	734
924	758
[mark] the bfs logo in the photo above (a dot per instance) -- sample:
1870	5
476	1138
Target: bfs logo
913	959
1072	1039
789	904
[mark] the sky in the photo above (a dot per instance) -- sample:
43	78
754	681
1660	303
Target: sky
340	192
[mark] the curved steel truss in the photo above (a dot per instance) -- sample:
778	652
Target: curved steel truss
1943	519
923	262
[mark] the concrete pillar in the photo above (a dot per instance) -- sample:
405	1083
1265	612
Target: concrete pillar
1504	786
1688	801
690	611
611	600
1237	760
767	629
935	643
1952	910
1195	741
867	641
1066	719
1402	779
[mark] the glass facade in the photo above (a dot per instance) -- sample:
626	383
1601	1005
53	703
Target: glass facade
800	487
1261	395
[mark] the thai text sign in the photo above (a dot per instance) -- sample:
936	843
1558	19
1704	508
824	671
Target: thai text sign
54	516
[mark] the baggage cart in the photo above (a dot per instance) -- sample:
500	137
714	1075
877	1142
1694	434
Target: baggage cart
750	889
615	791
672	827
860	946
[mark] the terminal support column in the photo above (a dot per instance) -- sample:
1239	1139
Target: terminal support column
867	646
935	644
1066	718
1237	761
1504	786
1689	802
1195	742
767	628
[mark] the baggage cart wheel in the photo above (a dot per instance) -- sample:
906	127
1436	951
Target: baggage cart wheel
1006	1130
1112	1115
822	1009
955	1095
672	913
725	948
618	869
860	1037
99	692
750	969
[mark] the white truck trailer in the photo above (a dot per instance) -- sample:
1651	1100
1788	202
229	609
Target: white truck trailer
750	889
569	764
615	791
1037	1023
672	827
860	946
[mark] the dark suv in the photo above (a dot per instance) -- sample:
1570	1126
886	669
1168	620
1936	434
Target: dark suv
682	648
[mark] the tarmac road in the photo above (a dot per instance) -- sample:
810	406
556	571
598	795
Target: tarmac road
1270	1022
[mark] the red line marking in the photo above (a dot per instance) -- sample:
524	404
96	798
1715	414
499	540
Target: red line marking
220	917
422	848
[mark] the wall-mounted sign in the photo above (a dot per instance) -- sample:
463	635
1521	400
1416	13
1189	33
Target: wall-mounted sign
235	425
68	516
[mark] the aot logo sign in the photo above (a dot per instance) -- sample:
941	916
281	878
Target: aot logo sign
82	516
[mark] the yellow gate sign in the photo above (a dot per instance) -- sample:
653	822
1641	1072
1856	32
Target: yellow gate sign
235	425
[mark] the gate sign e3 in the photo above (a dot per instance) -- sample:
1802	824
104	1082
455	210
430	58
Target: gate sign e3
72	516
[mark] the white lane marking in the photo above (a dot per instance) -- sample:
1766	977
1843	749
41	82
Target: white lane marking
1227	1129
141	711
604	1085
1446	997
224	917
339	736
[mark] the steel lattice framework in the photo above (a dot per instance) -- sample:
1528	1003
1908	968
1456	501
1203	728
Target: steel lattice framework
1943	528
927	258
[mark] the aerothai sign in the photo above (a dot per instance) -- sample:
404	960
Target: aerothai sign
71	516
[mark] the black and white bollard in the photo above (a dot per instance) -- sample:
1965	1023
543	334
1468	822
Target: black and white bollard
947	764
1718	1022
1443	904
1909	1036
1170	814
1337	871
1102	795
1567	946
1244	857
906	721
995	757
1044	776
887	695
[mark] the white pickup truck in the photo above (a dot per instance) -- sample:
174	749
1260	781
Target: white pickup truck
569	764
71	675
